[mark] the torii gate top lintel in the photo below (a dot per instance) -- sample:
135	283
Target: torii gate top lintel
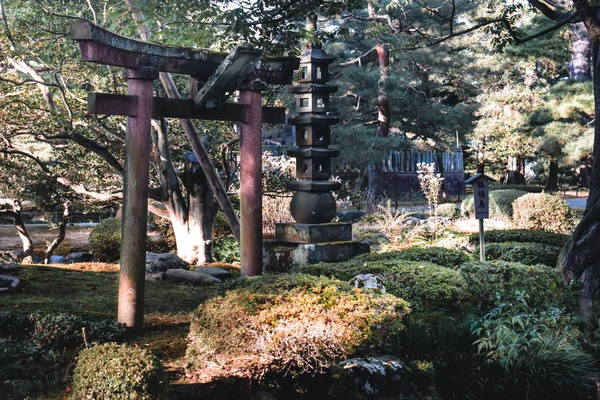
101	46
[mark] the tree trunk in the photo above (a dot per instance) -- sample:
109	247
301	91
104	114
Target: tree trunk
552	185
13	210
579	260
515	168
62	227
383	101
580	67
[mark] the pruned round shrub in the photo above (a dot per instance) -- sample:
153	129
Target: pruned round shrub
500	203
524	253
291	322
105	240
493	280
423	284
448	210
114	371
543	211
521	235
449	258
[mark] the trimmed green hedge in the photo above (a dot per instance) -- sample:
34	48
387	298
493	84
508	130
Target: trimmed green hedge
523	188
448	210
423	284
105	240
500	203
524	253
493	280
521	235
449	258
288	323
113	371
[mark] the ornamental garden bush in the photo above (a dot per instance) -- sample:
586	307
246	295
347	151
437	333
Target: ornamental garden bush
521	235
493	280
39	345
118	371
523	188
105	240
541	211
288	323
423	284
448	210
524	253
449	258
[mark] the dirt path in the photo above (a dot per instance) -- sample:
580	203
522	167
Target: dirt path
76	237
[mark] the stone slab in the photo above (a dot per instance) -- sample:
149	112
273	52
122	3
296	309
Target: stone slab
279	257
313	233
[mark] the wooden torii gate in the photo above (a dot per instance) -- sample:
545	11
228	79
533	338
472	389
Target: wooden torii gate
215	76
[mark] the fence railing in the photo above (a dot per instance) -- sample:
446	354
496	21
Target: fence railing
407	160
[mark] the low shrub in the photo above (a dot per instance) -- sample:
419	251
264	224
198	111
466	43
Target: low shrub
350	216
39	346
522	188
105	240
488	281
448	210
521	235
423	284
527	354
113	371
541	211
227	250
524	253
289	323
500	203
449	258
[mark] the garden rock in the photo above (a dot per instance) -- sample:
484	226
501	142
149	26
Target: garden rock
79	257
11	267
16	255
14	283
214	271
191	277
156	262
57	260
375	375
156	276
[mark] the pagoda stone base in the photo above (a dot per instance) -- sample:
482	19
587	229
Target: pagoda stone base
287	257
313	233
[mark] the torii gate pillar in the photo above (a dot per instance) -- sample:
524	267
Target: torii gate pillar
251	180
135	199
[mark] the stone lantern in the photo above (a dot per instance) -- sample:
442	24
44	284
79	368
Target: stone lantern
313	202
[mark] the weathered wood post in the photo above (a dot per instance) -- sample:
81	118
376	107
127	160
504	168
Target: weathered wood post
251	179
135	199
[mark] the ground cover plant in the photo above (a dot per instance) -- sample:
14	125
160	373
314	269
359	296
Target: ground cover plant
521	235
290	323
525	253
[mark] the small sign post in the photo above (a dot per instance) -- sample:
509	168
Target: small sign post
481	186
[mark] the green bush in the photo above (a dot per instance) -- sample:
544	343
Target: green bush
448	210
523	188
527	354
423	284
524	253
113	371
39	346
227	250
105	240
541	211
491	280
521	235
289	323
500	203
449	258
